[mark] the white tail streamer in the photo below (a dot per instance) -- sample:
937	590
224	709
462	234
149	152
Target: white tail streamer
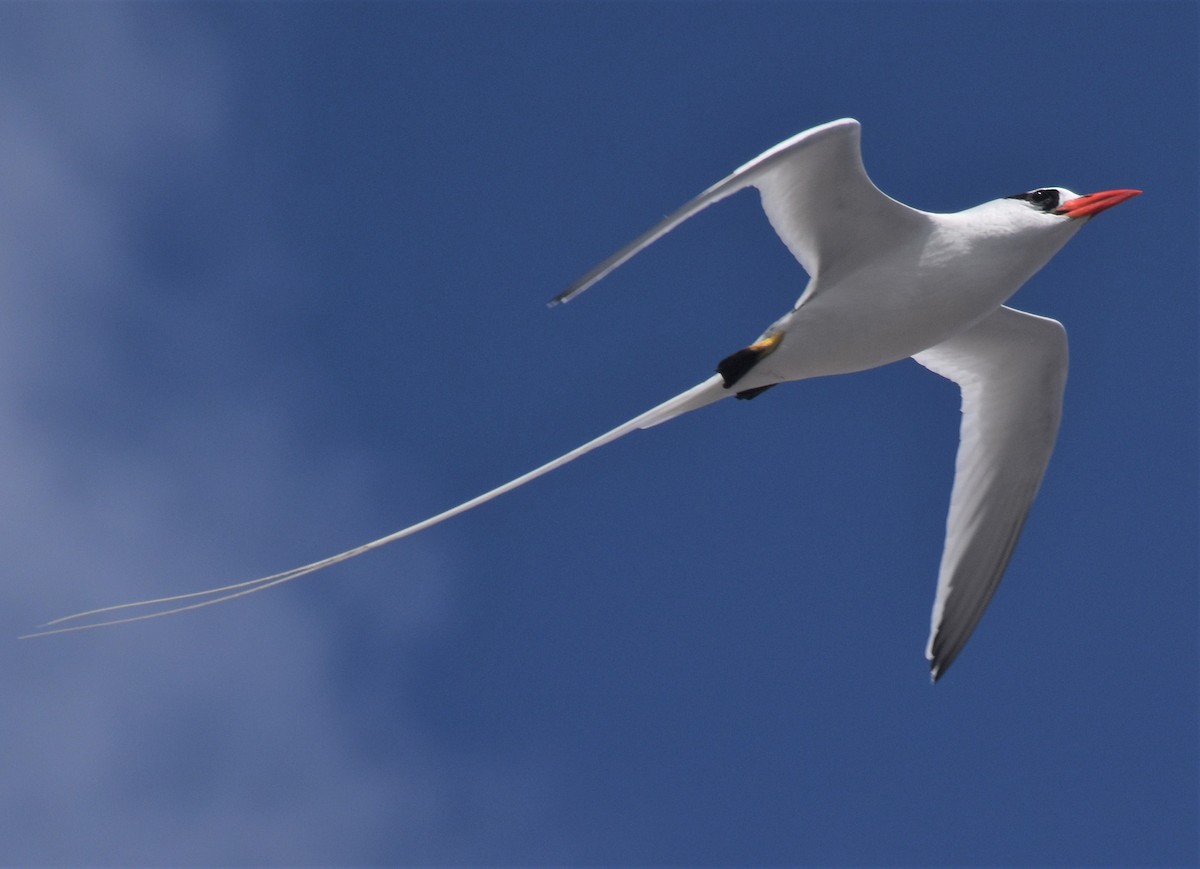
704	393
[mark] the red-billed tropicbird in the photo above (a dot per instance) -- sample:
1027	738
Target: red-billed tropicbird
886	282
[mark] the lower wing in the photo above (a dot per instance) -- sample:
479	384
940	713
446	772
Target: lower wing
1012	369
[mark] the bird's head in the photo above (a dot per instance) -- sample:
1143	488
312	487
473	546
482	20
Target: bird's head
1040	221
1058	202
1019	234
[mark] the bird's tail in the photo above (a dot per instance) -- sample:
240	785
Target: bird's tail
698	396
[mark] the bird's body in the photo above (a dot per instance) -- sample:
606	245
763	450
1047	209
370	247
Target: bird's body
886	282
947	275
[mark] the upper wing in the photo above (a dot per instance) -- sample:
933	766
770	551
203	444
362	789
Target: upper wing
815	192
1012	368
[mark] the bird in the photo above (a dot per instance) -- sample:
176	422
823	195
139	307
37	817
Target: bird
886	282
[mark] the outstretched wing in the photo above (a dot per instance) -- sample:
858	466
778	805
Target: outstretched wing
815	193
698	396
1011	368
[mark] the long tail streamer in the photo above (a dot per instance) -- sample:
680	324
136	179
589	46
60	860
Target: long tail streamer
704	393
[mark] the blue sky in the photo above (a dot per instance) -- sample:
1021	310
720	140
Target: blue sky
273	282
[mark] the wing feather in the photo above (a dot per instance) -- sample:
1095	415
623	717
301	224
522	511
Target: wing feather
815	192
1012	370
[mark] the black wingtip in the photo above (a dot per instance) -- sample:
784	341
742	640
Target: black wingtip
565	296
938	667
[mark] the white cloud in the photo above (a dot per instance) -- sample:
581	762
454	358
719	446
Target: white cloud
200	740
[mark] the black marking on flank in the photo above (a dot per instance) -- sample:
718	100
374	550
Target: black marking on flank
737	365
747	394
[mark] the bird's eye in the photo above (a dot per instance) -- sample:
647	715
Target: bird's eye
1047	199
1044	199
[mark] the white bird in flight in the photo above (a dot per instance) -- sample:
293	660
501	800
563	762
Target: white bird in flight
886	282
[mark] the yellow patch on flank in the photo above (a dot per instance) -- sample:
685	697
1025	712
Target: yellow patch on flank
767	345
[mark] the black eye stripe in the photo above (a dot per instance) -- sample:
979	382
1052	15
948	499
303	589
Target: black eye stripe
1044	198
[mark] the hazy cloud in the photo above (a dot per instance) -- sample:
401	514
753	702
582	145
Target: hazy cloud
135	450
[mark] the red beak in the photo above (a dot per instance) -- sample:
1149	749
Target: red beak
1094	203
